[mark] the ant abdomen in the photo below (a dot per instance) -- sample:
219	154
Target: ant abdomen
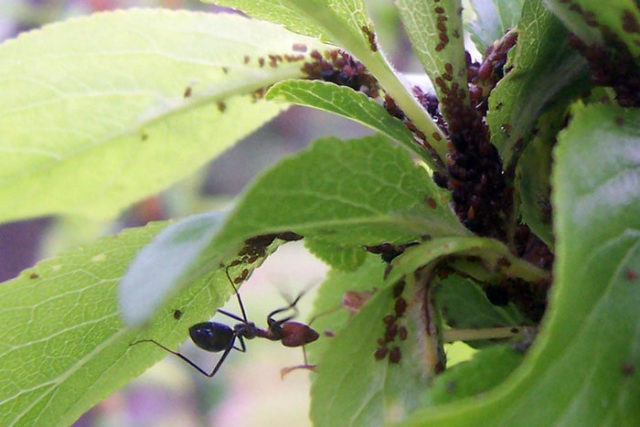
296	334
211	336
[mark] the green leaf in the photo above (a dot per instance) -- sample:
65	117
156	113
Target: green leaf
545	69
491	19
593	20
151	278
355	389
435	30
348	103
329	311
349	193
487	369
145	101
333	21
346	24
465	305
493	254
583	367
64	347
534	172
340	257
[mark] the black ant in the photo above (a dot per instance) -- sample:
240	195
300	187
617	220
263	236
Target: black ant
216	337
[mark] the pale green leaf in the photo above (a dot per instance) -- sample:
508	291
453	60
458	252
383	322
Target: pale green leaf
101	111
349	193
334	21
64	347
546	69
340	257
491	19
348	103
435	30
583	367
151	277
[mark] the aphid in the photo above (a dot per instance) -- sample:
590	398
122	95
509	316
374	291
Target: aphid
395	355
371	37
380	353
299	47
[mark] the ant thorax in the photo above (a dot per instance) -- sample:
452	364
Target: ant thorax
246	330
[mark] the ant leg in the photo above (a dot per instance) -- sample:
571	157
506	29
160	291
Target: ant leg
291	306
306	365
231	315
242	348
186	359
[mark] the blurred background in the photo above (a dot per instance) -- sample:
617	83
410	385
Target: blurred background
248	391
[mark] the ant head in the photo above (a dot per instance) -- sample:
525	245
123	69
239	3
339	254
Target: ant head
212	336
296	334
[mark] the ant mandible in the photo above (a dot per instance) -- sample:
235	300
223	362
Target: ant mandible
216	337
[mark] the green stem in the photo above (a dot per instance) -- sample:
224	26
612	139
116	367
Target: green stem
392	84
452	335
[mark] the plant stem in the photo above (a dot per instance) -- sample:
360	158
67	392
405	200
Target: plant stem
452	335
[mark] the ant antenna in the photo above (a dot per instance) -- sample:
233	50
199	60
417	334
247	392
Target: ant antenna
244	313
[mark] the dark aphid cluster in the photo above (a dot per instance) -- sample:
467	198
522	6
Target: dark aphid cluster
430	103
371	37
614	68
388	252
338	67
393	330
475	175
256	247
483	77
474	167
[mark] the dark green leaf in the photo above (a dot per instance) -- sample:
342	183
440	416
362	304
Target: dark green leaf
583	367
594	21
465	305
534	172
545	69
487	369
